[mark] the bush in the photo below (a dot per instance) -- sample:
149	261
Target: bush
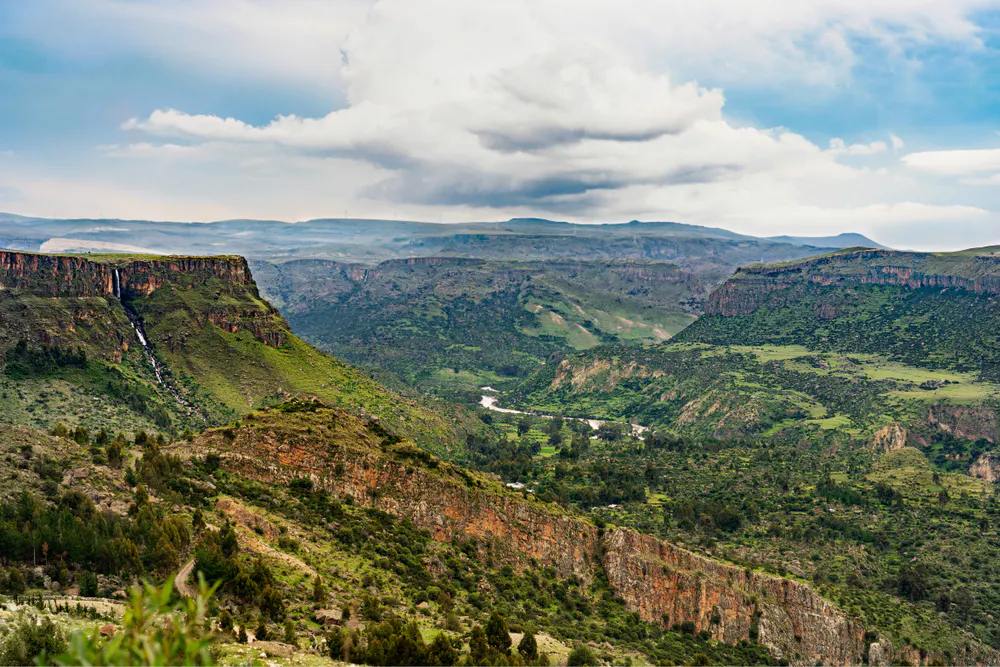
155	631
32	639
582	655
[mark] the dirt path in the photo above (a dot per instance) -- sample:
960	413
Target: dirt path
180	581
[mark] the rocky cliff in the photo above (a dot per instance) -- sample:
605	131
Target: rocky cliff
660	581
986	467
129	280
762	286
81	276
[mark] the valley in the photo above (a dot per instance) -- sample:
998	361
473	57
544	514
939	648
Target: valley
798	491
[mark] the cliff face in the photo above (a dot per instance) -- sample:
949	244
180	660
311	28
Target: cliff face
660	581
890	438
970	422
78	277
986	467
756	287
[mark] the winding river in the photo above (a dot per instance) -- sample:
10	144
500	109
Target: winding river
490	403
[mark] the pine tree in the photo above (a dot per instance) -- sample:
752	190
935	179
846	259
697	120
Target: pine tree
528	647
497	634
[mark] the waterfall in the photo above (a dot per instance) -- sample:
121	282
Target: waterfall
133	318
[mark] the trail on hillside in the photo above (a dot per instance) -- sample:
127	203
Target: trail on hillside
180	581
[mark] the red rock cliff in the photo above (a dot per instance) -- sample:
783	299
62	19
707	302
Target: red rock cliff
660	581
76	276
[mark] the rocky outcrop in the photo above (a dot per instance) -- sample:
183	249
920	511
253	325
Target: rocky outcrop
760	286
970	422
890	438
986	467
663	583
77	277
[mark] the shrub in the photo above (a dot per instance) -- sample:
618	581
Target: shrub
155	631
582	655
32	639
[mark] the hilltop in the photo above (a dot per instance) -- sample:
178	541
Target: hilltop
73	343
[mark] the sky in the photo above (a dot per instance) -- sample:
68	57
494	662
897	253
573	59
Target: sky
804	117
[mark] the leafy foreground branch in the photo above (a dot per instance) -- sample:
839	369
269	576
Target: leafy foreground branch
157	629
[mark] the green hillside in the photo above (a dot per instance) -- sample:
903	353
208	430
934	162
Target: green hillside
452	325
72	354
835	418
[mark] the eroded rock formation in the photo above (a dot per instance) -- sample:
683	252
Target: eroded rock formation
662	582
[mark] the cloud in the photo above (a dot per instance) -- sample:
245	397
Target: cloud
548	125
955	162
839	147
292	42
594	110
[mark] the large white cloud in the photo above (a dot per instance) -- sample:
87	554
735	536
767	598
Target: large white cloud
588	109
501	106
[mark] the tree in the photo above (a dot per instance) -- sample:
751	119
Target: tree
497	635
227	540
290	631
523	426
528	647
913	581
198	520
114	454
271	603
441	651
15	583
965	602
81	435
88	584
319	594
225	621
582	655
260	634
479	648
371	608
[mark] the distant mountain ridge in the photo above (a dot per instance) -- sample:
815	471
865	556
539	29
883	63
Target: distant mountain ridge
845	240
372	240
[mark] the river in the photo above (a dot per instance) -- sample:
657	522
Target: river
490	403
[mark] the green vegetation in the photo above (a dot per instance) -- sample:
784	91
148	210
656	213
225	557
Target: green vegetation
453	325
823	509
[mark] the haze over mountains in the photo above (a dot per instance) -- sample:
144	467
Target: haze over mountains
372	240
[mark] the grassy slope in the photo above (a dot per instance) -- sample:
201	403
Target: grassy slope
465	323
221	375
231	373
